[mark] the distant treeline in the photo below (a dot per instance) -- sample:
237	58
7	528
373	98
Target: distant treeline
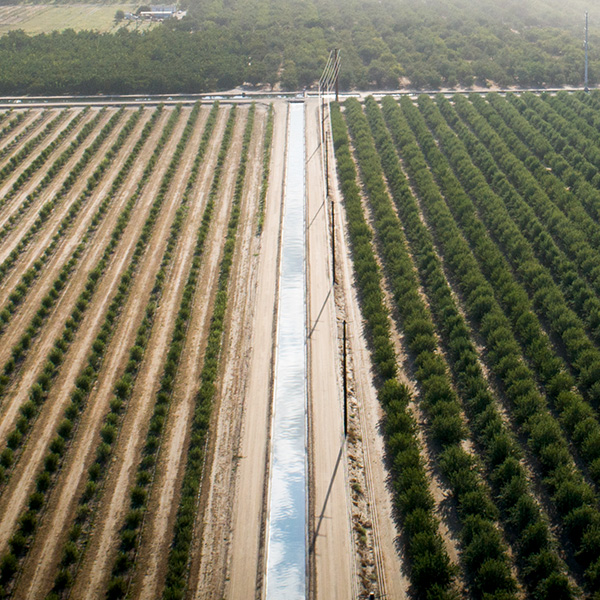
422	44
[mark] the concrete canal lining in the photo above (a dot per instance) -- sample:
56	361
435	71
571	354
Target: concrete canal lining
286	571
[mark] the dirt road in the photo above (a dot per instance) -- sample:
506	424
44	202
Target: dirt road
330	540
244	573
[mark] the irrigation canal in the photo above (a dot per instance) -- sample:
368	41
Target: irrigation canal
286	572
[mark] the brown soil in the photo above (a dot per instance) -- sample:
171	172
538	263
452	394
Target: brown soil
244	572
15	495
158	526
209	565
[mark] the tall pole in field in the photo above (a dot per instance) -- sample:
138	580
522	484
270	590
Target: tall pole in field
337	76
587	89
344	374
333	241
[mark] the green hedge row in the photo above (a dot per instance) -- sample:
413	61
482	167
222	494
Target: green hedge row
573	498
21	348
179	553
40	389
563	135
14	161
559	385
431	572
266	167
572	107
484	553
579	254
130	534
39	161
530	239
24	535
499	448
79	532
565	187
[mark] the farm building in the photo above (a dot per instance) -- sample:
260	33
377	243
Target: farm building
159	12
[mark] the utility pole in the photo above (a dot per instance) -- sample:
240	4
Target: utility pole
344	372
587	89
333	240
337	75
326	160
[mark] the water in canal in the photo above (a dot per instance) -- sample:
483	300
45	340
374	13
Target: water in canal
286	521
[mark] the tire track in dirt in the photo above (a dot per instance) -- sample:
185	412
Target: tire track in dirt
14	497
25	312
209	561
243	578
102	546
158	528
44	558
13	205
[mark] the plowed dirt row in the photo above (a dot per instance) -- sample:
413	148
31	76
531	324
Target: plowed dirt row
62	254
13	205
18	130
15	236
46	552
164	498
46	117
209	562
103	544
18	390
13	498
243	578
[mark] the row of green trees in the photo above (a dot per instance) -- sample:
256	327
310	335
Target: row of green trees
43	156
571	495
18	158
49	175
73	550
385	44
264	185
544	189
582	356
16	119
179	554
20	350
570	178
14	140
550	369
484	552
531	227
130	535
56	452
432	573
518	508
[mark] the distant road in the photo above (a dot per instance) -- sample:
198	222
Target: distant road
237	96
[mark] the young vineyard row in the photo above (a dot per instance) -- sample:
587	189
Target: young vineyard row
118	252
473	229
